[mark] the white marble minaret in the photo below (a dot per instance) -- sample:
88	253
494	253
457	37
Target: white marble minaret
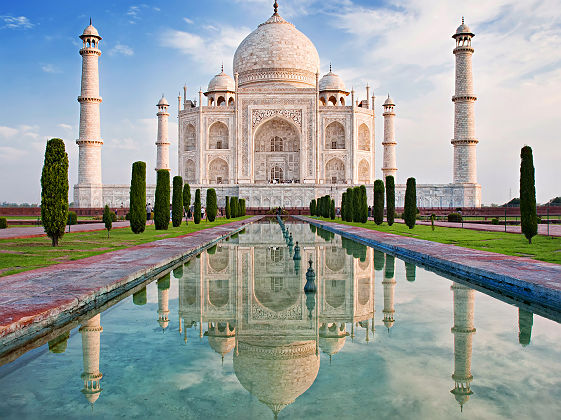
91	331
389	288
463	330
162	143
390	166
464	141
88	192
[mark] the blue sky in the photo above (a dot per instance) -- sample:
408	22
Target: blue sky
401	47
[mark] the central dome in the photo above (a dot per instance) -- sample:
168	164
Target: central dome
277	52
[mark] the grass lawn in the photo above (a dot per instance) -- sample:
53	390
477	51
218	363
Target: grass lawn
31	253
543	248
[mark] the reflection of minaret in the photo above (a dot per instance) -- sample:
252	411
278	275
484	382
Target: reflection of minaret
389	286
91	331
463	330
525	322
163	299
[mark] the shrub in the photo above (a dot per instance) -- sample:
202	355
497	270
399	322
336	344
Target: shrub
137	213
432	219
495	221
108	218
363	205
72	219
113	216
177	202
378	201
161	205
211	205
410	209
242	206
128	216
313	207
227	208
343	206
332	210
197	207
3	223
528	214
356	204
455	217
234	207
54	190
390	199
186	199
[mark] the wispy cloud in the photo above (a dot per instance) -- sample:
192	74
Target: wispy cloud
7	132
65	126
134	12
50	68
121	49
187	20
16	22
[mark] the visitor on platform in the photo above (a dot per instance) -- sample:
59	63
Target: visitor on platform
148	211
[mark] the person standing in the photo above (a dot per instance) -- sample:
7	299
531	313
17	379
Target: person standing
148	211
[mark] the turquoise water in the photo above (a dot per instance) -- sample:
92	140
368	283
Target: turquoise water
230	334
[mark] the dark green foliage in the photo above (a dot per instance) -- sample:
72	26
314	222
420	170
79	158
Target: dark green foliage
3	223
378	260
332	210
212	250
72	219
139	298
235	207
390	199
128	216
58	345
390	266
177	202
495	221
161	206
515	202
113	216
54	190
227	209
211	205
178	272
107	218
164	282
455	217
363	205
343	205
410	271
356	204
410	209
138	198
197	207
432	219
349	205
186	198
555	201
525	323
312	228
528	214
242	206
313	207
378	201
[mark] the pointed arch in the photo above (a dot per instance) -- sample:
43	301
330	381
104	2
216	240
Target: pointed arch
218	171
335	136
335	171
189	171
364	172
218	136
363	137
190	138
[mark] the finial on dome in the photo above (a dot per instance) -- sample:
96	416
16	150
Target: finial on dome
276	7
90	20
329	67
462	20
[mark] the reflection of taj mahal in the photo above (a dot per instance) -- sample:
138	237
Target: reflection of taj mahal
277	125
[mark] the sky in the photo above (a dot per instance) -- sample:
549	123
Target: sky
399	47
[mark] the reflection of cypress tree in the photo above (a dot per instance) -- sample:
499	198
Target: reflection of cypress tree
58	344
378	260
139	298
212	250
390	266
525	322
178	272
163	283
347	245
410	271
313	228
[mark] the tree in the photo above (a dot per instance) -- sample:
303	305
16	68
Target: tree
410	208
390	199
363	205
186	199
343	206
197	209
313	207
54	190
528	213
332	209
234	207
227	208
350	203
161	206
356	204
137	212
72	219
107	219
177	202
378	201
242	206
211	205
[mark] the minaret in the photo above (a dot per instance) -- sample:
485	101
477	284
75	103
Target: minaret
463	330
88	192
390	166
163	301
464	141
91	331
162	143
389	287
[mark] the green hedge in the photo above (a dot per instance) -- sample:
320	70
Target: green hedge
378	201
161	205
197	207
227	209
410	208
211	205
455	217
72	218
137	213
3	223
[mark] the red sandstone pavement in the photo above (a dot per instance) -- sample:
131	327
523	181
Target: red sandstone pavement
554	230
35	231
38	298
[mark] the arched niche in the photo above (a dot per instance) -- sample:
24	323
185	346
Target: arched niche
335	171
364	172
218	171
363	137
218	136
189	168
335	136
190	138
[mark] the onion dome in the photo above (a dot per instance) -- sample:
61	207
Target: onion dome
222	83
331	81
463	29
332	345
277	52
90	31
163	102
389	101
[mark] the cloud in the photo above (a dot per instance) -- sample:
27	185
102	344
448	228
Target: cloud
121	49
65	126
50	68
9	154
189	21
134	12
8	131
16	22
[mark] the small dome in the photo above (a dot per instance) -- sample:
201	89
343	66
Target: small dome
90	31
222	82
331	81
222	345
332	345
389	101
163	101
463	29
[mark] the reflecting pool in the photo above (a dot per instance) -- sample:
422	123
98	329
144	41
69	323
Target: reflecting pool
231	334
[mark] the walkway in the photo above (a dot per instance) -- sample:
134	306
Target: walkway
554	230
34	302
517	277
35	231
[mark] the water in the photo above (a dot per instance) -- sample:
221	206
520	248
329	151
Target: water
231	335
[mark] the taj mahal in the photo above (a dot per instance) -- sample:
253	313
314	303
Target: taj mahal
278	133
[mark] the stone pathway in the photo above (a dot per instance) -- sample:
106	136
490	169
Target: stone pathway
554	230
33	302
35	231
517	277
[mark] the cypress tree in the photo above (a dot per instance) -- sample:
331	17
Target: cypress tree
410	208
137	213
378	201
177	202
211	205
528	214
390	199
242	206
356	204
327	205
343	206
107	219
332	210
227	209
363	204
350	203
186	199
197	210
54	190
234	207
161	206
313	207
